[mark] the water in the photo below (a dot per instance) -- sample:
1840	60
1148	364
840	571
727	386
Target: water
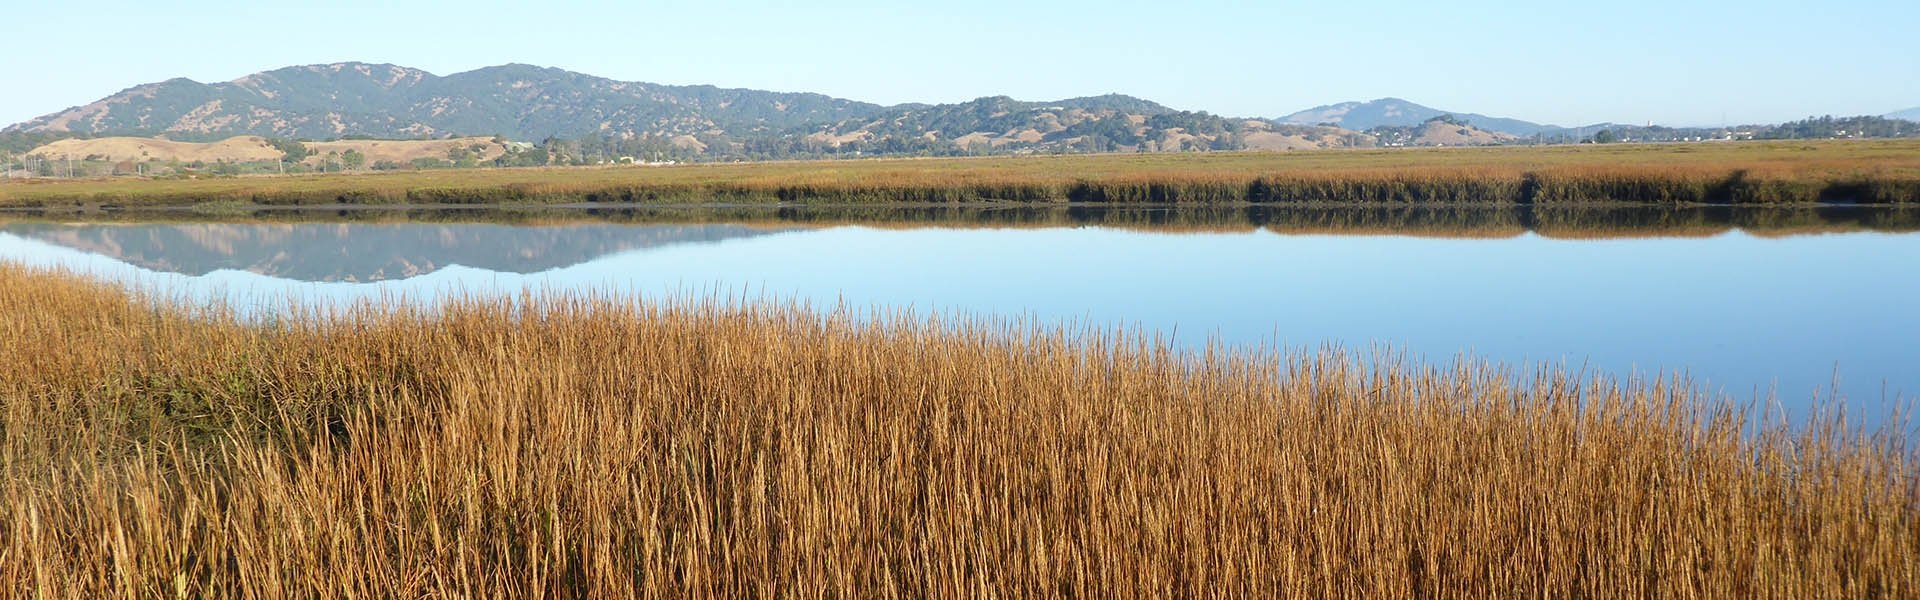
1791	309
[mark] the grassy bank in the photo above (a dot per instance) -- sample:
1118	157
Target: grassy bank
592	447
1718	173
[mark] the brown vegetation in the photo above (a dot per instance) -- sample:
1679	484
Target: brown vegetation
592	447
1884	172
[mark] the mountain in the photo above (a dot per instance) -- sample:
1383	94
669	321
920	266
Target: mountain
1107	123
1394	112
605	118
522	102
583	119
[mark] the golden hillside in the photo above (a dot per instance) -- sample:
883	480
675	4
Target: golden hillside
116	149
255	148
403	151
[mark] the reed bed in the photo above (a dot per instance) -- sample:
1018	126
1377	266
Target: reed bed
1590	222
582	446
1876	172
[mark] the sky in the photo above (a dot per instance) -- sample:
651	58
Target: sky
1672	62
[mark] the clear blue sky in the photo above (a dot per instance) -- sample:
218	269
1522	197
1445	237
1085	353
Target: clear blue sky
1671	61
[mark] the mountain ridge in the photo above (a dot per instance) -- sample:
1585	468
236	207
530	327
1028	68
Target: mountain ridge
530	103
384	100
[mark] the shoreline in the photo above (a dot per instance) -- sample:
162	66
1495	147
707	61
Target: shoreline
1460	221
1771	173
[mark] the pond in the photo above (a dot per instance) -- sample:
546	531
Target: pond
1745	304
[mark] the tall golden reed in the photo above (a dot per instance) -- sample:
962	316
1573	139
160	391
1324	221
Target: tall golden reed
577	446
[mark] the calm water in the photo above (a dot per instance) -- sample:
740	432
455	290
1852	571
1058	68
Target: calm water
1788	309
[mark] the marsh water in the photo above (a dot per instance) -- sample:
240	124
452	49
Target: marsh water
1799	304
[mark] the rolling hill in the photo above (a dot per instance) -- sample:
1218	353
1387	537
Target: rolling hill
1911	114
1440	131
1394	112
604	119
141	149
1107	123
616	118
241	149
386	101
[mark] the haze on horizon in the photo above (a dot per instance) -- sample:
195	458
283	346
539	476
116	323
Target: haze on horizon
1704	63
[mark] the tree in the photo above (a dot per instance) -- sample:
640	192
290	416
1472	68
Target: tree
464	157
1604	137
292	150
353	159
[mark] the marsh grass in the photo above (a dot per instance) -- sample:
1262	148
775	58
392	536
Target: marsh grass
1878	172
584	446
1587	222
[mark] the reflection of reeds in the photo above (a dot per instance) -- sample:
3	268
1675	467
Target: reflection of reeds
1588	223
1747	173
1343	219
592	447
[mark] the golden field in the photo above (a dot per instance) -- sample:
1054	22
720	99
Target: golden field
1800	172
582	446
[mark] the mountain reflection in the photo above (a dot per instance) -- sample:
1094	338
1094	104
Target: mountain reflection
351	252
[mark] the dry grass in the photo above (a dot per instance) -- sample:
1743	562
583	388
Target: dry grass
238	149
586	447
1734	173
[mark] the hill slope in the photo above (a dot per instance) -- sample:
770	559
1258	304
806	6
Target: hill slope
387	101
1440	131
611	118
241	149
1911	114
1096	124
138	149
1394	112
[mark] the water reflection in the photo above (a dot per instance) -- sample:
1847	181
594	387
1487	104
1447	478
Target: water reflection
1480	222
353	252
1743	300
